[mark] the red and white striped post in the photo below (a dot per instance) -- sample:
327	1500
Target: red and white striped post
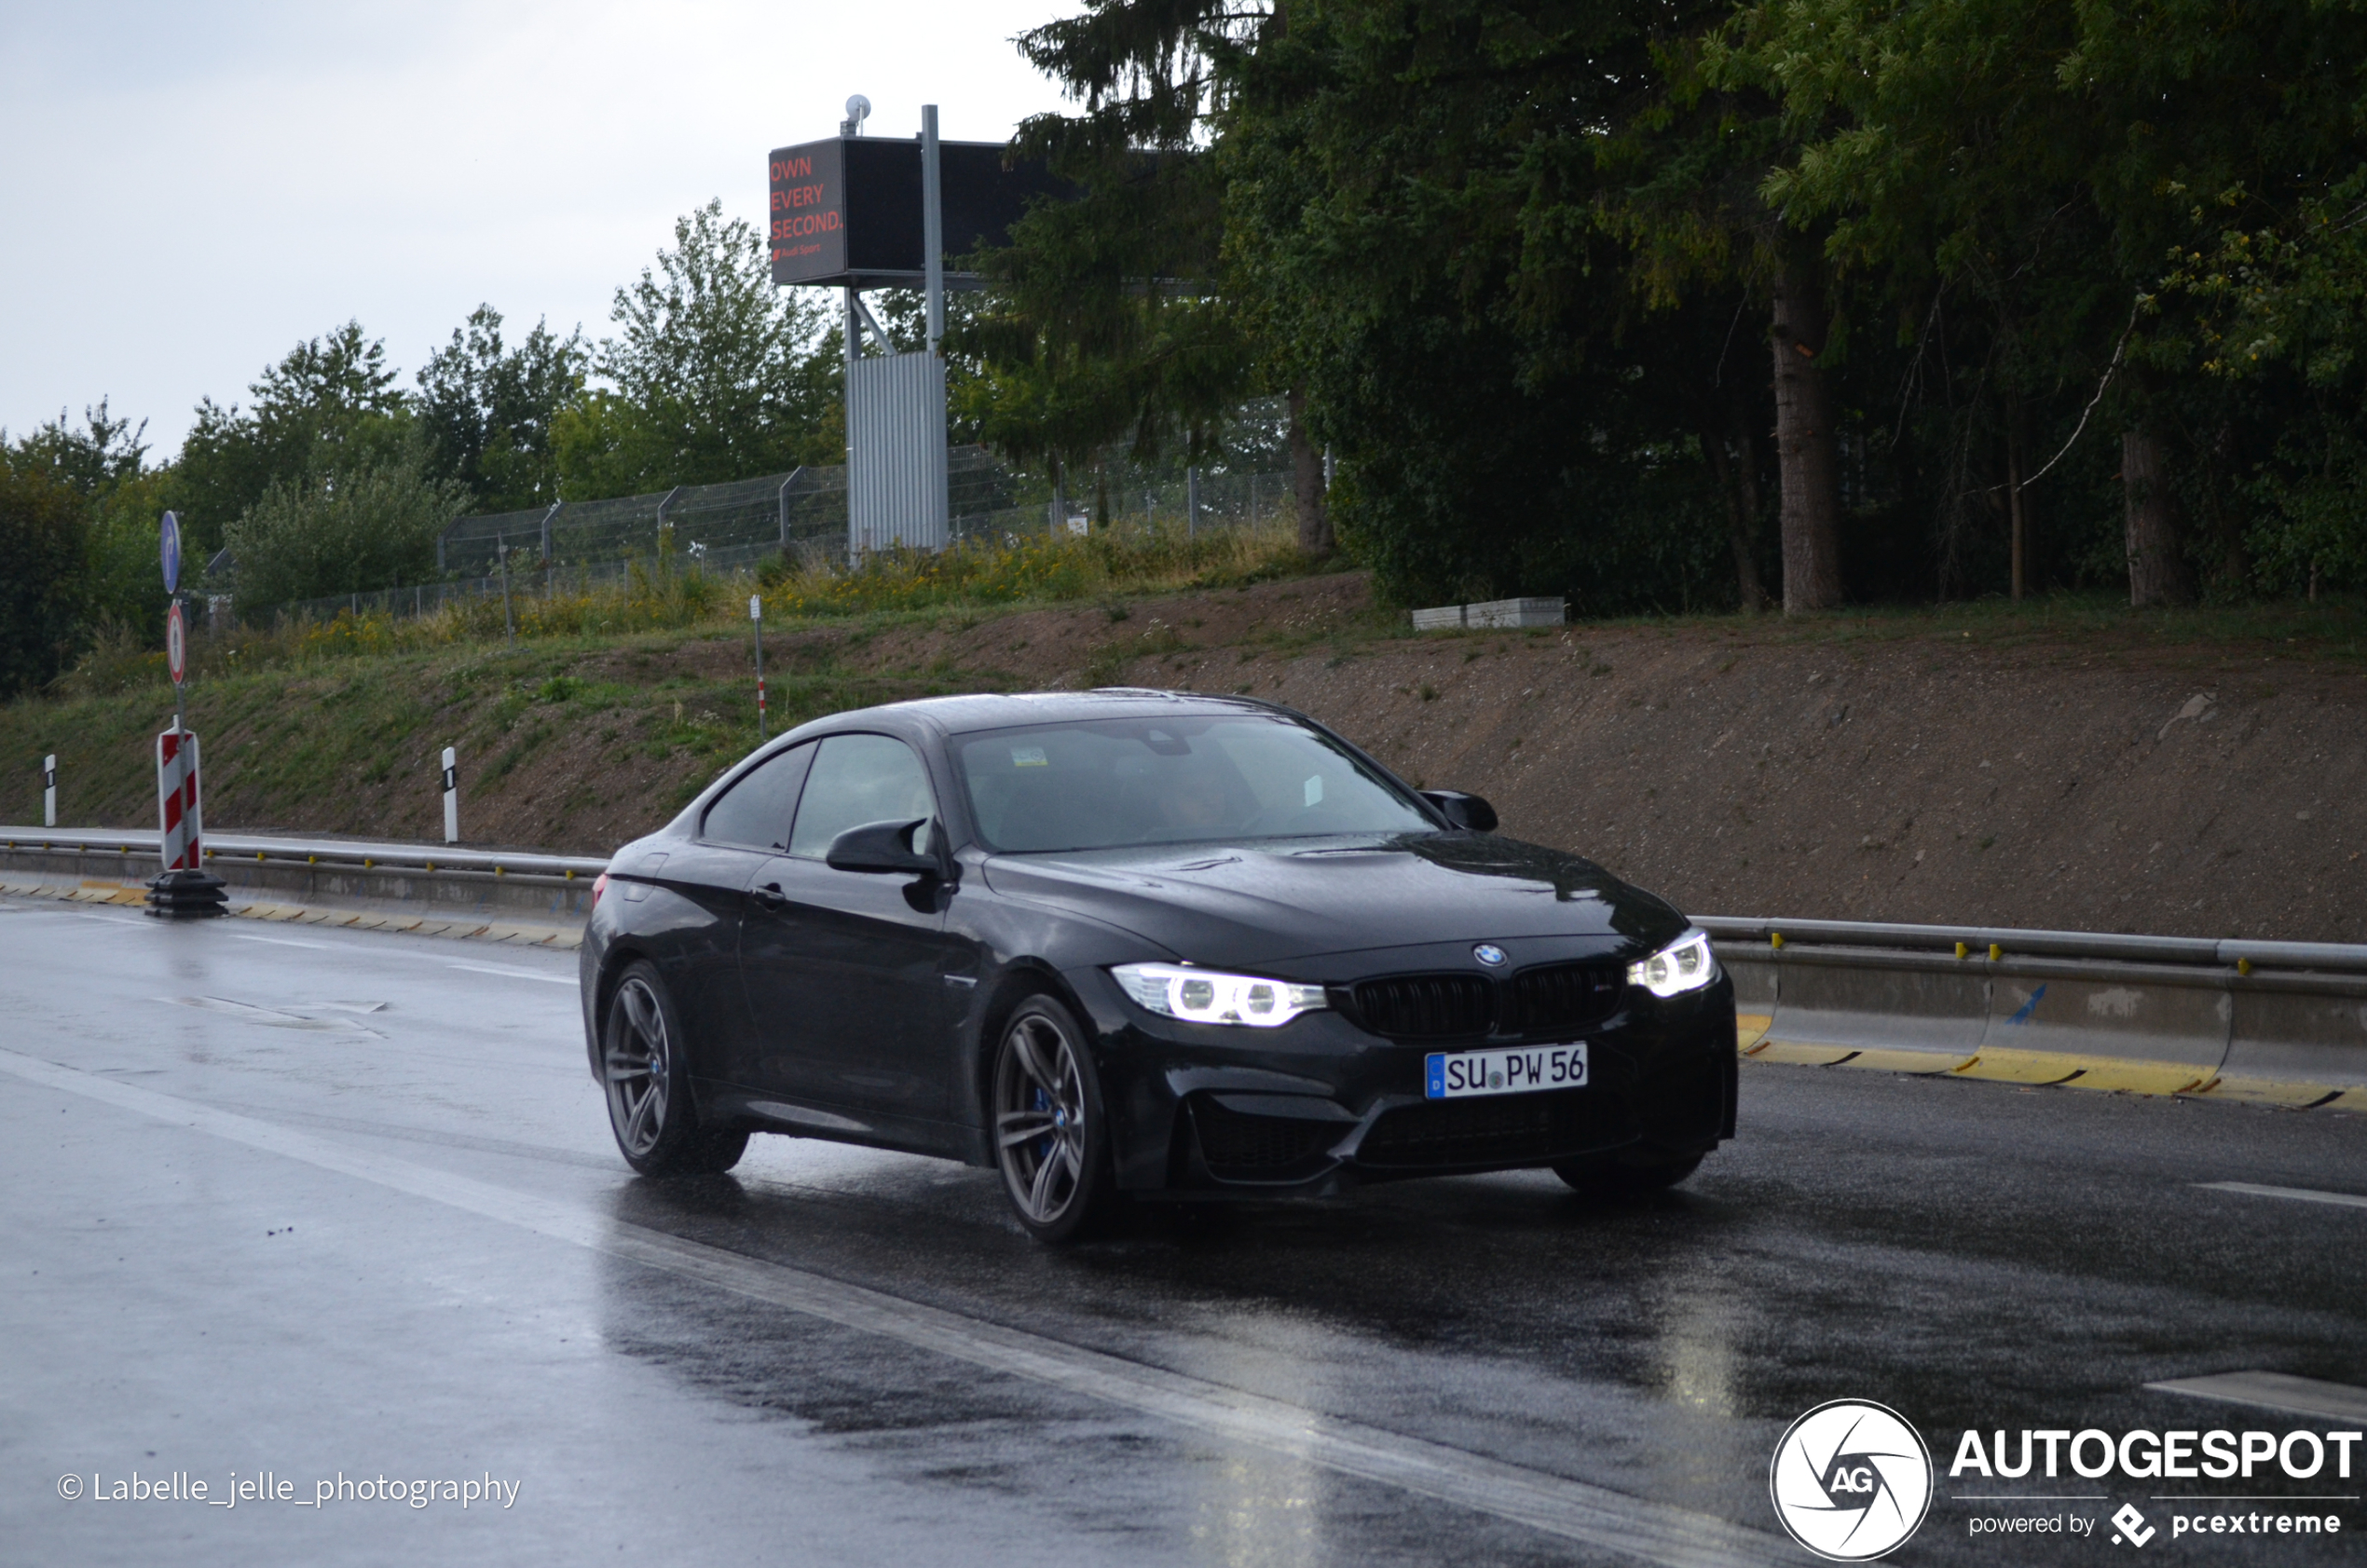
184	886
179	814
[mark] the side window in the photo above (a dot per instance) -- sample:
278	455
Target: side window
860	779
756	811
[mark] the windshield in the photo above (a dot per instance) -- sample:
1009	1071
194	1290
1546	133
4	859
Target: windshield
1113	783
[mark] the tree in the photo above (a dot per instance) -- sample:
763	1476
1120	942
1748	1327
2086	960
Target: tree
332	401
119	500
713	374
104	453
1115	317
42	539
353	529
488	409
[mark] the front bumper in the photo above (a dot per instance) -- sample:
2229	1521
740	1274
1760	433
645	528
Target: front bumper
1319	1104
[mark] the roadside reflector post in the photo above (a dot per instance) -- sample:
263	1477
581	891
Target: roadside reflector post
756	619
50	790
451	796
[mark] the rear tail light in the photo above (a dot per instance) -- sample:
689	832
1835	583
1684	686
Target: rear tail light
599	886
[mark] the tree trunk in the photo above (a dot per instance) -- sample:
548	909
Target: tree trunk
1804	450
2015	501
1737	473
1306	481
2156	573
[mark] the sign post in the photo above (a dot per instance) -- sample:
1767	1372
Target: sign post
756	619
451	796
50	790
184	887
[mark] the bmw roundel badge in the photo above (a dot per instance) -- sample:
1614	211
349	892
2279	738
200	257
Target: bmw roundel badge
1489	954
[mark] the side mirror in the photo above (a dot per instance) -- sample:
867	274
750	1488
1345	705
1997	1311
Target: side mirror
883	847
1467	811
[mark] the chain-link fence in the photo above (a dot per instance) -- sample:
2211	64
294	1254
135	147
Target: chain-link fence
734	528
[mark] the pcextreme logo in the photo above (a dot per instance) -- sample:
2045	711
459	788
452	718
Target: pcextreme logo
1850	1480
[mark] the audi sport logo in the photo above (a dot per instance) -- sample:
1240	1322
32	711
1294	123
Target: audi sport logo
1850	1480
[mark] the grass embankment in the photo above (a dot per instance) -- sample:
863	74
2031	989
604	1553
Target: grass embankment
2044	763
608	710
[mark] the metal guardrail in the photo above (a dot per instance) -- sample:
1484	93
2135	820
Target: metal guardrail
2284	1022
2174	1013
329	853
1963	941
448	882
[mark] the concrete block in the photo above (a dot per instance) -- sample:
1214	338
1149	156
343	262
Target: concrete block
1500	613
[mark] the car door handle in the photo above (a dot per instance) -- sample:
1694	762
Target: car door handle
770	897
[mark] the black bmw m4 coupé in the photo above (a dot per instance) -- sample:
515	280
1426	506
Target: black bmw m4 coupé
1144	943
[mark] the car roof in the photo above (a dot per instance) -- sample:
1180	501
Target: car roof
955	715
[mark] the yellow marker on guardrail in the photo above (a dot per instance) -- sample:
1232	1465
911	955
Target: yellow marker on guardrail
1995	952
1775	939
1962	950
2243	966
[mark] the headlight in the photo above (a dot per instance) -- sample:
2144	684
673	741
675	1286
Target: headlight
1685	965
1205	997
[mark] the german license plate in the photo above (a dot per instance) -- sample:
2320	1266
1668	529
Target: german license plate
1517	1071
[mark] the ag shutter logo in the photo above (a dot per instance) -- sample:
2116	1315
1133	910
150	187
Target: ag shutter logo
1850	1480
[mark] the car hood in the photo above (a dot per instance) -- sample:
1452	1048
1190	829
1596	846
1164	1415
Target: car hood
1297	898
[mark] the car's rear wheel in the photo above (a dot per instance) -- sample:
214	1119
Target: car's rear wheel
1051	1140
648	1080
1628	1173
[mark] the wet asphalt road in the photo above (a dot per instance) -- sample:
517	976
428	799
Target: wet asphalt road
314	1204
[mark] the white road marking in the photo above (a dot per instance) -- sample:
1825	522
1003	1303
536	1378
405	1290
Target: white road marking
570	981
1594	1516
2306	1195
281	941
2274	1391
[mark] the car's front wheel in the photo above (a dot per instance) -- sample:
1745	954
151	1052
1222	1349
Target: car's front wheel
648	1080
1051	1140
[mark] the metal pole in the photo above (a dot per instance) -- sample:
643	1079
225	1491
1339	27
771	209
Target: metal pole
50	790
451	796
932	226
853	352
938	525
1192	502
756	620
502	550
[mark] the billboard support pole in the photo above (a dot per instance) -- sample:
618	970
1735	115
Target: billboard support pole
940	525
853	352
932	226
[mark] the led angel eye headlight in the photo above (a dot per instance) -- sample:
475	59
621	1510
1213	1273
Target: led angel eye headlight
1686	964
1203	996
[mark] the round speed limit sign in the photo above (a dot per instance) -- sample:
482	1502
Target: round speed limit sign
176	644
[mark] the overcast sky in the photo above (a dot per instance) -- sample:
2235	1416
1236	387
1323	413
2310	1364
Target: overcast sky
193	189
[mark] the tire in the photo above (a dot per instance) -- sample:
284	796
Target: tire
1630	1173
646	1079
1051	1134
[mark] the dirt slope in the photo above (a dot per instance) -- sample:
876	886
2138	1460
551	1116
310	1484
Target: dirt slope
1740	768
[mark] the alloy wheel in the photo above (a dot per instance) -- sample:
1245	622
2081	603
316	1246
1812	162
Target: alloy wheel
1039	1120
636	1060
